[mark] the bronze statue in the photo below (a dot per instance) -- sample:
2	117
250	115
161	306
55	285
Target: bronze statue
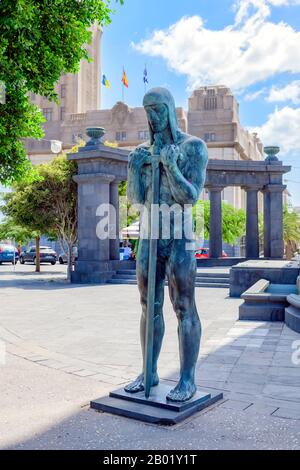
181	162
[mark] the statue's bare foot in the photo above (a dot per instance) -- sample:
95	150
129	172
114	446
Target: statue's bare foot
138	384
183	391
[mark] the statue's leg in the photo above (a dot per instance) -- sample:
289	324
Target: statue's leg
159	326
181	272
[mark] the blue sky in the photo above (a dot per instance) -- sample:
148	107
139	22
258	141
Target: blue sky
250	45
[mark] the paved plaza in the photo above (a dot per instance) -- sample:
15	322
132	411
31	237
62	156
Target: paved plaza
68	344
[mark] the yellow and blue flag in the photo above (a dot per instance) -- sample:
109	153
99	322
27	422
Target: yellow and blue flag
105	82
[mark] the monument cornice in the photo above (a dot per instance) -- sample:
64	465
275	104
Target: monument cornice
102	153
274	188
252	187
92	177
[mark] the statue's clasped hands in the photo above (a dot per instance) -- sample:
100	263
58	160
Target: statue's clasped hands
140	157
169	155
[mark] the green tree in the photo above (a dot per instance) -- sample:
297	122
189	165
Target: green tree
28	208
125	207
60	192
46	203
291	231
39	42
11	231
233	221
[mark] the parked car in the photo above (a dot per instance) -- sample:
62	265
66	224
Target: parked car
47	255
63	257
8	253
204	253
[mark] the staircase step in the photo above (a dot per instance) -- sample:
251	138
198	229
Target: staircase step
197	284
126	271
219	285
199	273
204	280
212	279
124	276
122	281
213	275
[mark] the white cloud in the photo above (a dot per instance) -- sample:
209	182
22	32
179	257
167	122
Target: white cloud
290	92
251	50
253	96
279	3
281	128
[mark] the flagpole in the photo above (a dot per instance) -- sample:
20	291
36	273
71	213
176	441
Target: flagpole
145	78
123	86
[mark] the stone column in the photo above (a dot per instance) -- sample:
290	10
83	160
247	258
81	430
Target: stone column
93	263
267	224
273	221
215	230
114	221
252	232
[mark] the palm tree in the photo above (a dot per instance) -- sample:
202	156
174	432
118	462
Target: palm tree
291	231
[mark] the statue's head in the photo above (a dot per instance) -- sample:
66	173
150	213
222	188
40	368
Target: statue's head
159	105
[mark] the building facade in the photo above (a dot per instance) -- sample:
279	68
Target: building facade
213	115
78	94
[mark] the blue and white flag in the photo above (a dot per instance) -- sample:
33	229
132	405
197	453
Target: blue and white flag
145	78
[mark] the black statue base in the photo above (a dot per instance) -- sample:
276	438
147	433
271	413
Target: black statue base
156	409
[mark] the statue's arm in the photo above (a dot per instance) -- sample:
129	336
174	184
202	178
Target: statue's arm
135	183
186	188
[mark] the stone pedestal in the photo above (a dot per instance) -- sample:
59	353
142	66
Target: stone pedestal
99	172
245	275
155	409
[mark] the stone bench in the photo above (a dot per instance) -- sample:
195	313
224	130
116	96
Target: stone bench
292	312
265	301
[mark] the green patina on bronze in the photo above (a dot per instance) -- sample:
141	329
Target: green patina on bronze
174	165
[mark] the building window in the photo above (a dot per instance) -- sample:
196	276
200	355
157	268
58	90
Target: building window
62	114
63	89
209	137
121	136
210	103
211	92
144	135
47	112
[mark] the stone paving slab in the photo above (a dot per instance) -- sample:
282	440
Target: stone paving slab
236	404
287	413
284	392
261	408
